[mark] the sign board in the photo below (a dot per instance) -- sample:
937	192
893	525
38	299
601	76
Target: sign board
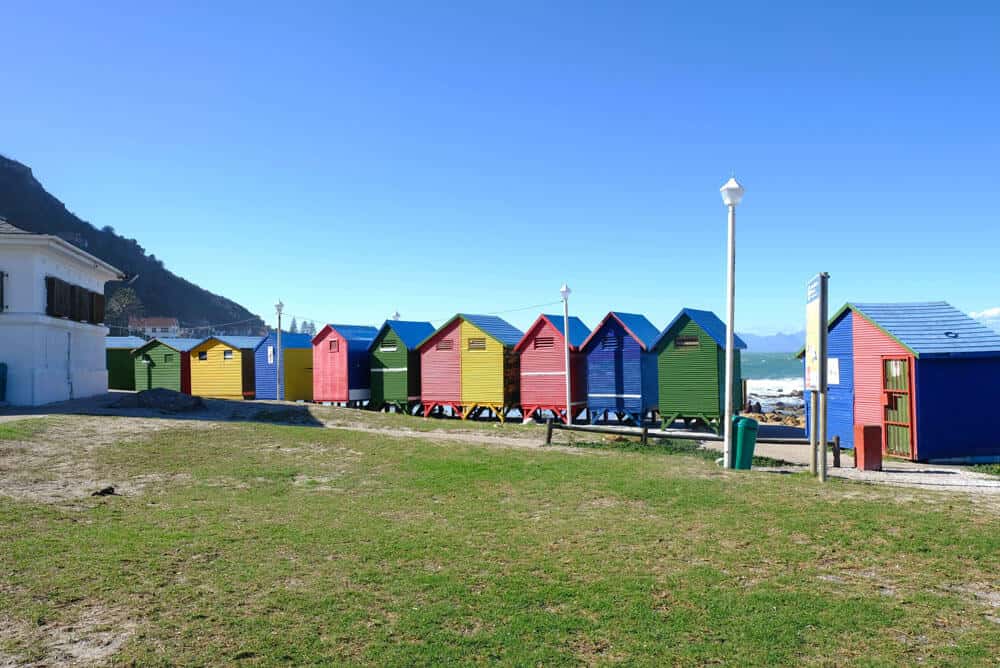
833	371
816	334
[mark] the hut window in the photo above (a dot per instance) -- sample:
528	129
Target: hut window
444	344
611	342
388	346
335	346
544	342
270	354
227	354
477	344
687	342
203	355
168	357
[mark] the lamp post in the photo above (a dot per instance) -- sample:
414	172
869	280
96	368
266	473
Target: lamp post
732	193
396	316
565	292
278	385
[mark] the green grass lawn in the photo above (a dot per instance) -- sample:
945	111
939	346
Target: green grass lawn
274	545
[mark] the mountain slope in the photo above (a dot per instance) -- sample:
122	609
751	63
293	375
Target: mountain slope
774	343
26	204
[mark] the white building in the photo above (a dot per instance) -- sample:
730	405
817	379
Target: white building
155	327
51	318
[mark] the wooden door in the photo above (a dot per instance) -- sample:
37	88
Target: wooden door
897	402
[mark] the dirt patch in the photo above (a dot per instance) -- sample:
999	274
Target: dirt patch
93	638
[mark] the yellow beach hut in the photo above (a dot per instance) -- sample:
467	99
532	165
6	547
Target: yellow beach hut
216	369
489	365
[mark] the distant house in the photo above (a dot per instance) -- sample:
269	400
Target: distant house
51	318
118	354
155	327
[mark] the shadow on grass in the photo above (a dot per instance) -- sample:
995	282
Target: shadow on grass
668	447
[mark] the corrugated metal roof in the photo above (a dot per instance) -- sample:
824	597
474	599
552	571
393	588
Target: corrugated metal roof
7	228
179	344
932	329
126	342
241	342
578	332
642	330
357	333
709	322
497	327
289	340
410	332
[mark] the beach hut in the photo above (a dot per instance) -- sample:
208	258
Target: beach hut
247	345
924	372
217	369
296	367
118	358
691	368
469	365
164	363
542	352
341	367
395	364
621	367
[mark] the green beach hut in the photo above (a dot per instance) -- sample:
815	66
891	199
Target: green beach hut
118	358
395	364
691	363
164	363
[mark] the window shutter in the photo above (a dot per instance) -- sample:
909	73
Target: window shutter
3	304
97	304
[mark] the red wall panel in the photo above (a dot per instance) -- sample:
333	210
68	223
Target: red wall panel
542	381
870	345
330	368
441	370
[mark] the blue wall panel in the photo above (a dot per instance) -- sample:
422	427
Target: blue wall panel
621	378
265	375
359	365
840	400
957	402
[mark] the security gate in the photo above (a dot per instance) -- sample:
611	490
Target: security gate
897	400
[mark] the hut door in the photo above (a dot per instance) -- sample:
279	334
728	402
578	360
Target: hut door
897	427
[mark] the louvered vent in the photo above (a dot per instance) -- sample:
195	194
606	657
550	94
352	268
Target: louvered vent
477	343
544	342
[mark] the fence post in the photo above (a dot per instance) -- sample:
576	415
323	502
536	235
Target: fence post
548	431
645	435
836	452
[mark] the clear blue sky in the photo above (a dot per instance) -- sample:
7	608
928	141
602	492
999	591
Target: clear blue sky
357	158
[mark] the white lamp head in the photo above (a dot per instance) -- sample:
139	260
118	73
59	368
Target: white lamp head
279	306
732	192
396	316
565	291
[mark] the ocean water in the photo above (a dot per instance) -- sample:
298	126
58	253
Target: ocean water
773	378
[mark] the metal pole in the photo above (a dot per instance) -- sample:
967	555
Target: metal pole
569	395
822	437
730	314
279	385
823	362
812	432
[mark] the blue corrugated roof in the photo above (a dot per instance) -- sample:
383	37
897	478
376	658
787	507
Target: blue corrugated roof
126	342
410	332
179	344
933	329
356	333
578	332
642	328
289	340
498	328
709	322
240	342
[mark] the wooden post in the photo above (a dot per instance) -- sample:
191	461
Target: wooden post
548	431
836	452
644	439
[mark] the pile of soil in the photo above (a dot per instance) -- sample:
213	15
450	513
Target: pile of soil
161	399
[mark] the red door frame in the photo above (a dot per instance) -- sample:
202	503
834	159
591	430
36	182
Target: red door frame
912	405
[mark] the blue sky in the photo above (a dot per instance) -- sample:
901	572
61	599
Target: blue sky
358	158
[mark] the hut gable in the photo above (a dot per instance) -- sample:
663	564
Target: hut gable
216	369
164	363
621	369
542	365
395	362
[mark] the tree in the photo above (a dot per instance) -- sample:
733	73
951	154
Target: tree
123	305
294	328
308	327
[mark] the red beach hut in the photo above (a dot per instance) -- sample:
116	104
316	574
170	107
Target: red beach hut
441	369
543	366
341	367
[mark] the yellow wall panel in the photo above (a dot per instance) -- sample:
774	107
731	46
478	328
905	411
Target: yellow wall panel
216	376
482	370
298	374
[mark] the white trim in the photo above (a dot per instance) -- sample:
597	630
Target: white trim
616	396
389	370
359	395
66	248
543	373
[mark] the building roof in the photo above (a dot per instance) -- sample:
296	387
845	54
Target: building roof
356	333
289	340
709	322
932	329
154	321
410	332
638	327
124	342
497	328
7	228
578	331
240	342
181	345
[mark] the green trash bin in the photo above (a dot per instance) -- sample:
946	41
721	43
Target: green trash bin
745	431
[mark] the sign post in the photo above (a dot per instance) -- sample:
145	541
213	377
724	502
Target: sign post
816	369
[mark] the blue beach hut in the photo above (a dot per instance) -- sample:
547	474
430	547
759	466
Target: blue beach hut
621	367
296	367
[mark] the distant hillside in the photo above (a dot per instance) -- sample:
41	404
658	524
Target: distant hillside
774	343
26	204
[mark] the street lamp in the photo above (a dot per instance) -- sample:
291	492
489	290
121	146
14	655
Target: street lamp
278	385
732	193
396	316
565	292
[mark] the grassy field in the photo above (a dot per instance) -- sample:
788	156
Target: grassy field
271	544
